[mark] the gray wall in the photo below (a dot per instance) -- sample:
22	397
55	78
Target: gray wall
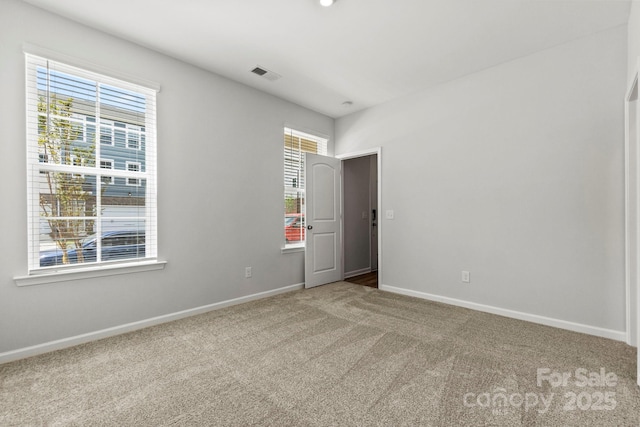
514	174
220	196
356	173
633	39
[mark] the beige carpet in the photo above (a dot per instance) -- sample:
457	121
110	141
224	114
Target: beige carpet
340	354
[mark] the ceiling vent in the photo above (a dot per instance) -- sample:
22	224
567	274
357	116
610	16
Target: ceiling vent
266	74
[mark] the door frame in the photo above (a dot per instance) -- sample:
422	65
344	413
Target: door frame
354	155
630	198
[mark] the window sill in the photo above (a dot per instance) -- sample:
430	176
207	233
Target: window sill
289	249
54	276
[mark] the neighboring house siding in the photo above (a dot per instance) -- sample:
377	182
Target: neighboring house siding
122	143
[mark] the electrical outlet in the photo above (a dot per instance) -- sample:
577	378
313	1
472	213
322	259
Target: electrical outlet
247	272
389	214
466	277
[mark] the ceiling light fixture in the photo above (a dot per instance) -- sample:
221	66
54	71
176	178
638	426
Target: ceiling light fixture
327	3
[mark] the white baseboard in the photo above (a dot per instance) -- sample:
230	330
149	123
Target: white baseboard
534	318
357	272
35	350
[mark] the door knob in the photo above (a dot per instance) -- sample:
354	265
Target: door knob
309	227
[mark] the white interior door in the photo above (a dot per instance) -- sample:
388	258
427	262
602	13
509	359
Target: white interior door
323	245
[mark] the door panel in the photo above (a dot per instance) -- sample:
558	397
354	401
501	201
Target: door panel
324	194
323	258
323	244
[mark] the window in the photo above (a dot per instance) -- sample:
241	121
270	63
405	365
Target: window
77	160
91	201
42	158
106	132
297	143
133	167
134	135
106	164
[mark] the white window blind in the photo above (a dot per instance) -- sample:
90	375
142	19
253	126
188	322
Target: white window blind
91	168
297	143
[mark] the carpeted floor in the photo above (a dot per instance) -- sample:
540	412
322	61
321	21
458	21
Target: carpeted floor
339	354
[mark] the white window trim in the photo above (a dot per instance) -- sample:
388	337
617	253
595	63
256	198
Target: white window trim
136	132
138	180
291	248
54	276
109	125
111	179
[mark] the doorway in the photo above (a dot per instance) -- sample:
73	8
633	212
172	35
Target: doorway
367	279
361	218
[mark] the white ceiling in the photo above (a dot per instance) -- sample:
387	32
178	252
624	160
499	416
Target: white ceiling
363	51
